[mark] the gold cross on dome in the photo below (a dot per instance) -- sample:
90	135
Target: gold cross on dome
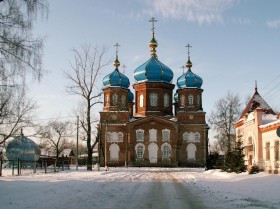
117	46
153	20
188	46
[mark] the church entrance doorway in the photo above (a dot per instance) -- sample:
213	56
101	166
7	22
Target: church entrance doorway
153	149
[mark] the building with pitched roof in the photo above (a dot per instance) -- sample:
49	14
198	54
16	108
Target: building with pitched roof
147	132
259	130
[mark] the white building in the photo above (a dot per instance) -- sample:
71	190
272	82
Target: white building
259	130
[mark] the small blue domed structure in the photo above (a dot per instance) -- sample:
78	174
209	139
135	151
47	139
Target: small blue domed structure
130	96
176	97
189	80
116	79
153	70
23	148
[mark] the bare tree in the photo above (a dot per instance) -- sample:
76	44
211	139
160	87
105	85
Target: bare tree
84	79
20	52
56	135
16	112
228	110
20	55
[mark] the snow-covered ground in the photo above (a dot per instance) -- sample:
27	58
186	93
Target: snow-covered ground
140	188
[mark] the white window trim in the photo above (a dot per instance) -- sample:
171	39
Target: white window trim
140	131
167	131
153	135
153	99
166	100
136	146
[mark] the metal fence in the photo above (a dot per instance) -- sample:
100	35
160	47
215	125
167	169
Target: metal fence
45	165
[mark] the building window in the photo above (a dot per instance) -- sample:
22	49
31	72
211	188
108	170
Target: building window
153	135
277	150
115	99
250	140
114	152
166	152
182	99
190	98
191	137
186	136
107	100
267	151
140	149
198	100
191	150
166	135
114	137
140	135
166	100
141	100
153	99
123	99
197	137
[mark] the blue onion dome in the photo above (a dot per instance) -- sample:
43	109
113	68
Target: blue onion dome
130	96
23	148
189	79
176	97
153	69
116	78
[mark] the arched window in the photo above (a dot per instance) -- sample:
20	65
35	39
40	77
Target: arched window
114	137
114	152
197	137
186	136
166	150
153	99
182	99
140	135
166	135
198	100
166	100
123	99
140	149
153	135
115	99
141	100
191	150
190	98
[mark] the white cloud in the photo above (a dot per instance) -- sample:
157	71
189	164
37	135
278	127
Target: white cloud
200	11
273	23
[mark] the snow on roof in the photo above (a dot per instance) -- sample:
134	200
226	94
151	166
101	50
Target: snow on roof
257	102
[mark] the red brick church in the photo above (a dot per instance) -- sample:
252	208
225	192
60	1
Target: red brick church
149	129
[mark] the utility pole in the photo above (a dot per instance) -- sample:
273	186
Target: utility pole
77	148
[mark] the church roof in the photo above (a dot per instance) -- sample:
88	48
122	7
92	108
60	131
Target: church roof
189	79
153	70
116	78
257	102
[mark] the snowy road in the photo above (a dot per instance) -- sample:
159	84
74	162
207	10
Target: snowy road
163	192
140	188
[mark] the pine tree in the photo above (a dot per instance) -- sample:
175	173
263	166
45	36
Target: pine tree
234	160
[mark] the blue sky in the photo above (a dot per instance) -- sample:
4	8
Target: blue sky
234	43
